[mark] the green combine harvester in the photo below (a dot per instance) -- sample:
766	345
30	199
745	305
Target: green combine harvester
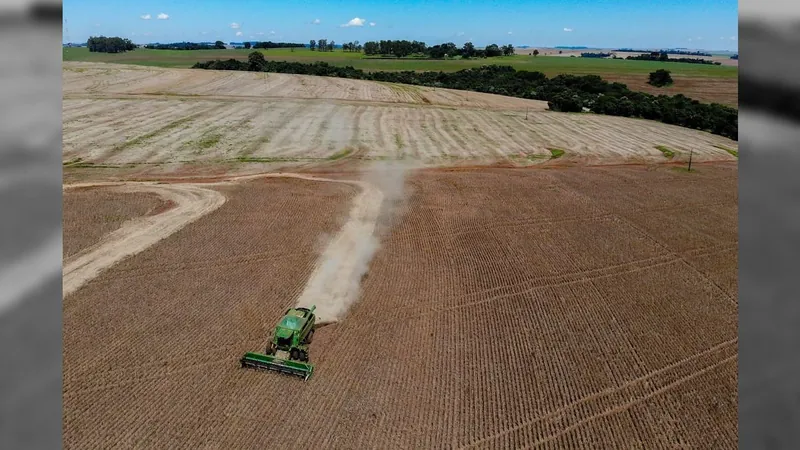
287	352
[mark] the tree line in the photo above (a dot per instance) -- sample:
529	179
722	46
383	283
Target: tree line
270	44
404	48
568	93
109	44
322	45
595	55
182	46
674	52
663	57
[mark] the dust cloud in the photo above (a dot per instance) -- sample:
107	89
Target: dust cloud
335	284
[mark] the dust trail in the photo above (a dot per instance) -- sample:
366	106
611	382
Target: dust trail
335	283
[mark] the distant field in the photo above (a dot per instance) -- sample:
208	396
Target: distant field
549	65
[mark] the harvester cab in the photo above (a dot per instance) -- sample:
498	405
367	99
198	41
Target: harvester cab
287	351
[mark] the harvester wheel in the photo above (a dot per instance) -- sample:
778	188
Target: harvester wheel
294	354
303	356
310	337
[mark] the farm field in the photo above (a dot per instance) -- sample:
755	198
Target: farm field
689	78
504	308
147	120
89	215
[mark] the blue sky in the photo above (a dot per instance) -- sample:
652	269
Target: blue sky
708	24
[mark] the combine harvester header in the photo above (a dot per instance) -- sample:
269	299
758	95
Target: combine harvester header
287	352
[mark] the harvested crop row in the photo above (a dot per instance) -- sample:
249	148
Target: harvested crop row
480	301
90	214
171	356
82	78
160	131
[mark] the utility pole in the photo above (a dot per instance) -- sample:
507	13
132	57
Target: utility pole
691	150
526	113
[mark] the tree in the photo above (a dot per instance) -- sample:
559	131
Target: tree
219	45
256	62
109	44
468	50
331	45
322	45
508	50
493	50
535	52
247	45
312	44
371	48
660	78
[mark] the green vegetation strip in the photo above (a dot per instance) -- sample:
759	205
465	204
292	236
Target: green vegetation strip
729	150
669	153
550	65
556	152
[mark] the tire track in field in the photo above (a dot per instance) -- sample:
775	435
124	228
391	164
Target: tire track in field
608	393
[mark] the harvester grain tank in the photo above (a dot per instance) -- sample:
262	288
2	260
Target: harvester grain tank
287	351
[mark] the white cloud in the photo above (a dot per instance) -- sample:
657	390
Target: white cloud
510	32
356	22
460	33
568	30
204	33
372	24
235	26
145	17
238	33
163	16
272	32
699	38
260	33
733	38
316	22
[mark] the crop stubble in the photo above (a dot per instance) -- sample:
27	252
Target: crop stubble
90	214
506	307
149	117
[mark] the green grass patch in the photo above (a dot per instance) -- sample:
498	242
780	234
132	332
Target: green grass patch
729	150
341	154
398	141
683	169
668	152
556	153
209	141
549	65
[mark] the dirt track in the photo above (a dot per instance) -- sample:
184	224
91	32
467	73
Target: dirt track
192	202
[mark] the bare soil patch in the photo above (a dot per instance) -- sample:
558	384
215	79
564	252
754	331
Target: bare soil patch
548	306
